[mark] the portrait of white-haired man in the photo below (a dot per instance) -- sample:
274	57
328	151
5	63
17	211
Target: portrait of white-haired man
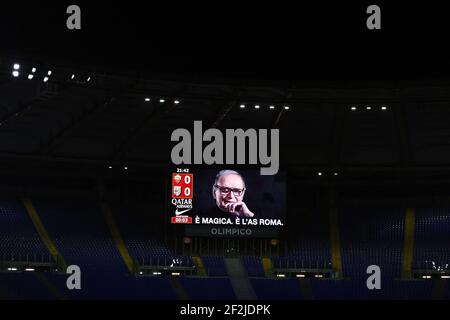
228	191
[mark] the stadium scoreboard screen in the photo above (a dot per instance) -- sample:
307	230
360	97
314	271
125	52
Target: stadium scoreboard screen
227	202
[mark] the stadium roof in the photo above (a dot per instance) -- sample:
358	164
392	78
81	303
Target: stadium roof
309	43
86	115
355	99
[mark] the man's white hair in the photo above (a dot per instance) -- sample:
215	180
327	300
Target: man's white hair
226	173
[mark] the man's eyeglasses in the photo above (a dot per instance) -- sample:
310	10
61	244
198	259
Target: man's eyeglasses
224	190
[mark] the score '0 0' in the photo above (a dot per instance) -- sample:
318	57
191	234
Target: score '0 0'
187	190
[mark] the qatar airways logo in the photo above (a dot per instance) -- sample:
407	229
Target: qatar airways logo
255	141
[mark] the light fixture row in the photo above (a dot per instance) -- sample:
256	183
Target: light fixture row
46	76
161	100
257	107
368	108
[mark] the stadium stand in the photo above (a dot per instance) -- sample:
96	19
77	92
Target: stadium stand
18	237
253	265
371	237
208	289
18	285
356	289
274	289
432	239
86	241
214	266
80	233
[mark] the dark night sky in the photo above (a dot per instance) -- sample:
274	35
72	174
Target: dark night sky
290	41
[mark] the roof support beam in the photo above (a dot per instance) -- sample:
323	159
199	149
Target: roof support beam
277	117
335	144
158	113
224	109
59	136
401	123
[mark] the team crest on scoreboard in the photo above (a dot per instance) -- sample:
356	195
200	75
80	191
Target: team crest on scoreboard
182	196
177	190
177	179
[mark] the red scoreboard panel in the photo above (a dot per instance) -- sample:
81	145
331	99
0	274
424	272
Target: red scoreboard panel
182	195
182	185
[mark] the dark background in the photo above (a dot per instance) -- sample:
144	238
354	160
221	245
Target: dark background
310	42
313	40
